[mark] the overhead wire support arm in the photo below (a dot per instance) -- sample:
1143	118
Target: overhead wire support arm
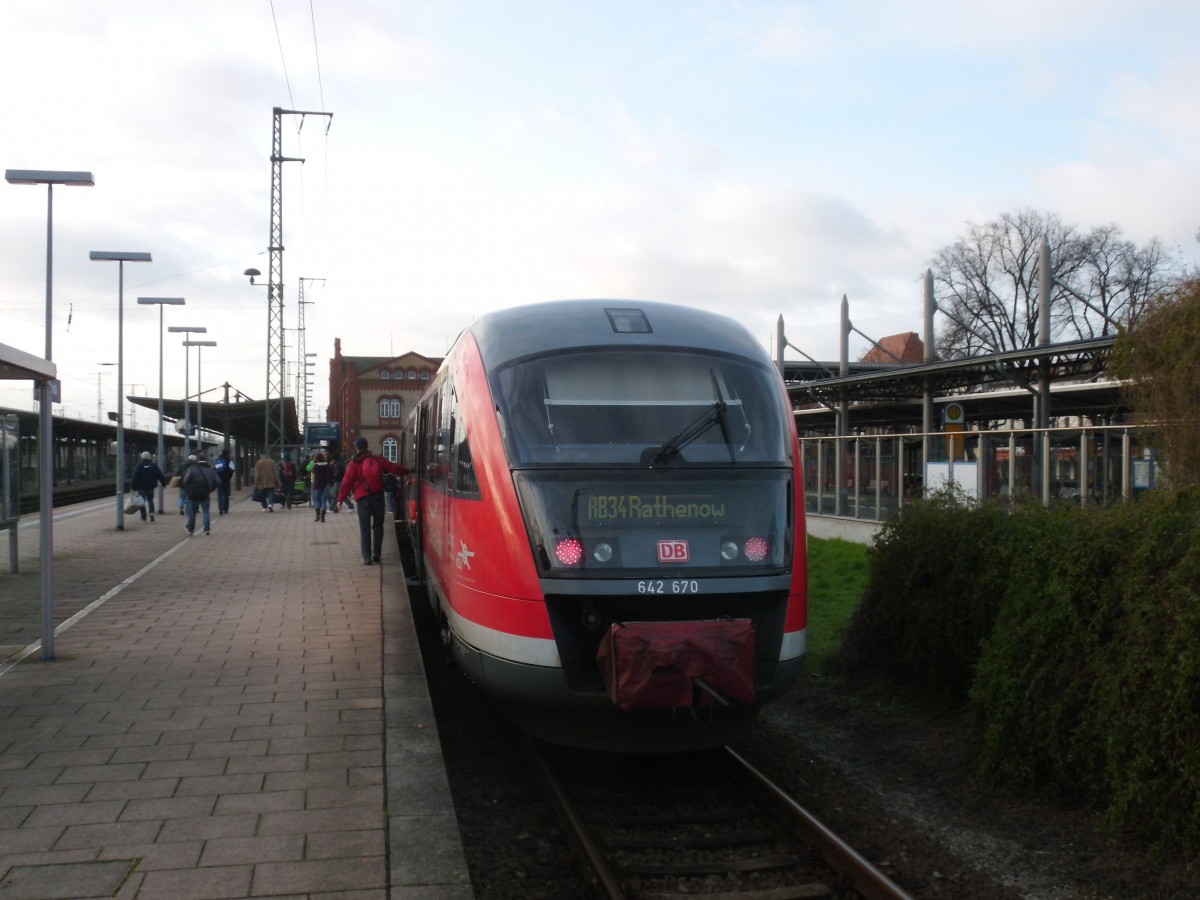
814	382
874	343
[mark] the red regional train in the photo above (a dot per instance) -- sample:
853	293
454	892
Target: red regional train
606	514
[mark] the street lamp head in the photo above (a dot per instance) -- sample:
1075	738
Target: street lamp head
253	273
199	329
199	343
119	256
45	176
161	301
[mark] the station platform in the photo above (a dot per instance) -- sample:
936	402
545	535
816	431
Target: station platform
237	715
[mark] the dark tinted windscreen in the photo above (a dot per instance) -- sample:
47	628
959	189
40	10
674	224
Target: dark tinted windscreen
631	407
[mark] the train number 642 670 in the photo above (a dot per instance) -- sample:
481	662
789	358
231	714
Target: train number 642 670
658	586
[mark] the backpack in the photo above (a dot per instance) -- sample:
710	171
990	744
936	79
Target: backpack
197	483
289	471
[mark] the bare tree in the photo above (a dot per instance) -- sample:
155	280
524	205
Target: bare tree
988	283
1117	277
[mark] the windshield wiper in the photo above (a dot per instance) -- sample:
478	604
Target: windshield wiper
713	415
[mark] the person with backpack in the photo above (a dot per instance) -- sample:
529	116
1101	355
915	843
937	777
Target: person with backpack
198	482
288	469
338	467
364	477
177	481
225	470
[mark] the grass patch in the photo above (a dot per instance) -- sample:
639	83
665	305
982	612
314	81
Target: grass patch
837	577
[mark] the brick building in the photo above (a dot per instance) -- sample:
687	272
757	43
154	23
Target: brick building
907	347
371	396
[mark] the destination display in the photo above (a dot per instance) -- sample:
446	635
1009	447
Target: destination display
616	508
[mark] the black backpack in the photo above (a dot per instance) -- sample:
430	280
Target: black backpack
196	481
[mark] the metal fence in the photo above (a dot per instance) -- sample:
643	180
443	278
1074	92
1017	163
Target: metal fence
870	477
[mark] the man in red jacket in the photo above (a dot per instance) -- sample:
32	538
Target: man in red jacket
364	477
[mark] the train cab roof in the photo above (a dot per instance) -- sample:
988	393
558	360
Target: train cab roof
528	331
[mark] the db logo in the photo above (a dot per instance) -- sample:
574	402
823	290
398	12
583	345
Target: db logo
673	551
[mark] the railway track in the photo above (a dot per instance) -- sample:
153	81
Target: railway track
660	828
31	503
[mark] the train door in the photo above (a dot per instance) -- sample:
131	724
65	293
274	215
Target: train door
417	446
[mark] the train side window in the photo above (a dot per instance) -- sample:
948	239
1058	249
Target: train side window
466	481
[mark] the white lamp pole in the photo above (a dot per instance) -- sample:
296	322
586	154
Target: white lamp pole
187	368
120	257
45	419
161	302
200	345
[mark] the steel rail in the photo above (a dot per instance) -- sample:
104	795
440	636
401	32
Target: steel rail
578	830
867	879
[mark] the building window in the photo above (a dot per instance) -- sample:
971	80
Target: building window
424	376
384	374
391	448
412	374
389	408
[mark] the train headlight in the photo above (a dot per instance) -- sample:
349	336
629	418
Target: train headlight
603	552
729	551
757	549
569	551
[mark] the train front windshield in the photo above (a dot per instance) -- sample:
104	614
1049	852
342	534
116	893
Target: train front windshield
669	463
663	408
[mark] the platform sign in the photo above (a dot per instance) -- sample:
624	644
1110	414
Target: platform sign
10	469
315	432
55	391
954	424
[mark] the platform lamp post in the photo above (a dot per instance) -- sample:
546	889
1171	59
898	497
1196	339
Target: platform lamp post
200	345
120	257
160	302
187	370
45	393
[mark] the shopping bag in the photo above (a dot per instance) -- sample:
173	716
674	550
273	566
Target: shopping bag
135	504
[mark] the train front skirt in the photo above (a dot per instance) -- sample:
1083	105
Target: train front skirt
678	665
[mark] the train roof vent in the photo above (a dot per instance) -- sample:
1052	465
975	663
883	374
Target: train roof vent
629	321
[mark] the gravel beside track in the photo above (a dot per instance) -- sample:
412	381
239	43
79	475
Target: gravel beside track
890	777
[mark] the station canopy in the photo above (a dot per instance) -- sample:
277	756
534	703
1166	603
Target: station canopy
240	418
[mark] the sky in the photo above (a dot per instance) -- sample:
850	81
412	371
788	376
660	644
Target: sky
759	159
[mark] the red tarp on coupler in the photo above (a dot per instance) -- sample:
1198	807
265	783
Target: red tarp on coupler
655	665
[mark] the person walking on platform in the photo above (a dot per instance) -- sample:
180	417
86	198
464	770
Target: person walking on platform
179	473
319	473
289	480
146	478
364	477
198	483
224	467
266	480
335	485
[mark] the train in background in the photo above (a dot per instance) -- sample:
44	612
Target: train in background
606	514
84	457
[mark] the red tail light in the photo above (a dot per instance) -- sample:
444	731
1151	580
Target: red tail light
569	551
757	549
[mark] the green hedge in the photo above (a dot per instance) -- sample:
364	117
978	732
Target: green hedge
1071	635
937	574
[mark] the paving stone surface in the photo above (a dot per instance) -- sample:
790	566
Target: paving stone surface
225	716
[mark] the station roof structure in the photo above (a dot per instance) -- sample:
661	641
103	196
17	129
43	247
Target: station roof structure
991	388
241	419
17	365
